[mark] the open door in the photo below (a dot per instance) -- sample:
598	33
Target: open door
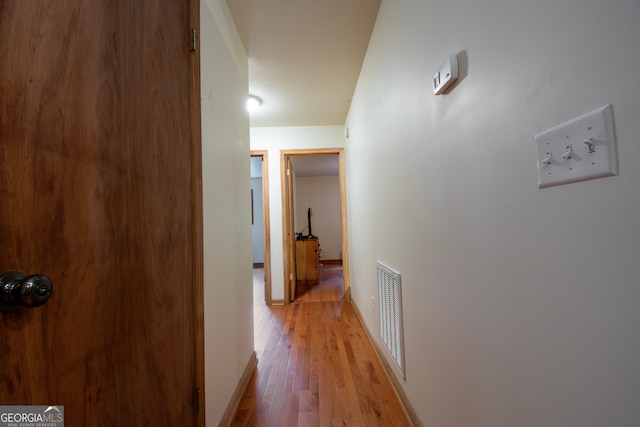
290	233
97	193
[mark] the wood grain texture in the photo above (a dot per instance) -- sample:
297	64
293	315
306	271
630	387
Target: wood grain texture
95	126
197	212
316	366
307	261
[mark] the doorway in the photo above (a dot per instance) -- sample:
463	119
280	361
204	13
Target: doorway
294	230
260	217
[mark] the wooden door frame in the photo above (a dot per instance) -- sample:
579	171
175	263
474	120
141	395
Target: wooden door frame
197	210
291	274
286	215
266	218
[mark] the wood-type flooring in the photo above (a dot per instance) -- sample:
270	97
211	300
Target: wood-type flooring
316	365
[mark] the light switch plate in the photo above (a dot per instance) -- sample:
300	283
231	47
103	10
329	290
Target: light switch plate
578	150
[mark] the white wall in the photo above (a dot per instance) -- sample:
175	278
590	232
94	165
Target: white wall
322	195
227	218
275	139
257	228
520	304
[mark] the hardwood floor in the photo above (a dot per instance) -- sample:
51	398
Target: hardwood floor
316	366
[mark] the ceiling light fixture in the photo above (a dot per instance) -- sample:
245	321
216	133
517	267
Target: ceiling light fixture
253	103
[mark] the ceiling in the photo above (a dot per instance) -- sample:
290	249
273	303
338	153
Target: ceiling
304	56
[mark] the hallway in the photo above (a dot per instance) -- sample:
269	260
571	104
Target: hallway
316	366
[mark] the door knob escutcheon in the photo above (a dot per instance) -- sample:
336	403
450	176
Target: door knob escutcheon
19	290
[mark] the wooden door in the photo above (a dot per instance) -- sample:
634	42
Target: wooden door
290	233
96	193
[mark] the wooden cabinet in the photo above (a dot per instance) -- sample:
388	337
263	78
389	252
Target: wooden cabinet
307	259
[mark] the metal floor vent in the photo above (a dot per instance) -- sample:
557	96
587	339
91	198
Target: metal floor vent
390	314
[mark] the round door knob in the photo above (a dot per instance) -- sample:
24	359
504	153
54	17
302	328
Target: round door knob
19	290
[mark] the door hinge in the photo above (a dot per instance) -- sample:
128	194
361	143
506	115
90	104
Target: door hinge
196	399
194	39
288	172
291	276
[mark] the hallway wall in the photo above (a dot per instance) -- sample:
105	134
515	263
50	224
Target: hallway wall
520	304
228	305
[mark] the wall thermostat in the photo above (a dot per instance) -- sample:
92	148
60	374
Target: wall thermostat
446	74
